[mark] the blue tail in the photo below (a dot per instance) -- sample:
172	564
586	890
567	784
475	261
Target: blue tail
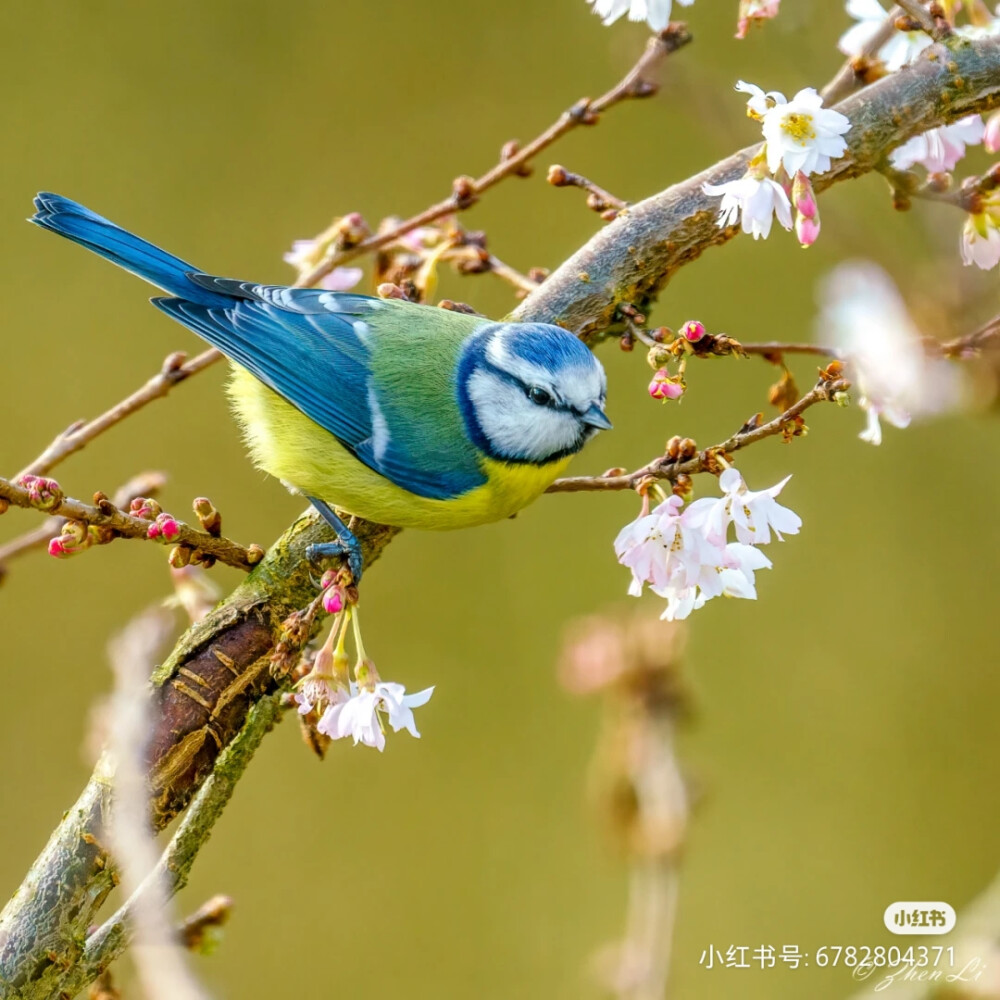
79	224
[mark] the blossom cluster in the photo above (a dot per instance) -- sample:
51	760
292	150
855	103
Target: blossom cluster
801	138
684	554
341	706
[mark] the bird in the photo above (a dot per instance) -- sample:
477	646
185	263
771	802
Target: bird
392	411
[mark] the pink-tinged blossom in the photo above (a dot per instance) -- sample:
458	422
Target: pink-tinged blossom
656	13
319	691
693	330
939	149
754	10
901	48
684	555
753	514
981	235
865	317
306	255
991	134
753	202
660	548
801	134
360	716
666	386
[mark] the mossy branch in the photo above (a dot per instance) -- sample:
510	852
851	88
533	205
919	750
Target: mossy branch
221	668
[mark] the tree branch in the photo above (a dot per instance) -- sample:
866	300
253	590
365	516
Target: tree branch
669	468
221	667
632	258
468	190
106	515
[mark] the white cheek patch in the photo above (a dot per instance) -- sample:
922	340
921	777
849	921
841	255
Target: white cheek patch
514	426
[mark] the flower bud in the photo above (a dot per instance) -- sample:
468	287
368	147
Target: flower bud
209	518
45	494
806	210
145	507
334	600
806	230
693	330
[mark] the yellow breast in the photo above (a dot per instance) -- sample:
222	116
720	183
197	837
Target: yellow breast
284	442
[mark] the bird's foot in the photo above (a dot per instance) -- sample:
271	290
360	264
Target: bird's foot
346	545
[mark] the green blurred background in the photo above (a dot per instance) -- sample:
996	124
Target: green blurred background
846	746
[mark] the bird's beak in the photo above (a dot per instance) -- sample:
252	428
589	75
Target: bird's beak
596	417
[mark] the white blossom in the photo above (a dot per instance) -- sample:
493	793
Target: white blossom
360	715
656	13
684	555
939	149
753	202
981	238
753	514
865	317
801	134
901	48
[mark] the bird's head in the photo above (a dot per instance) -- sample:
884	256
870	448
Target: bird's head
530	392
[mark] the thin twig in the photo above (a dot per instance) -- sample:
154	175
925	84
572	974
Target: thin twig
175	369
922	16
512	276
669	468
468	190
780	347
125	525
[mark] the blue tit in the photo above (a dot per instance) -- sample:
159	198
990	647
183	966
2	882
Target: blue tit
403	414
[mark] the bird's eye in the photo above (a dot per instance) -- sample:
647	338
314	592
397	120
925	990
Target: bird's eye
539	396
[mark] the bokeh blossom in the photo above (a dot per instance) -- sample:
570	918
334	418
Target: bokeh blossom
867	320
901	48
754	10
308	254
939	149
656	13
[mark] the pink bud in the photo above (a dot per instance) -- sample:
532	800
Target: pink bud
333	600
170	528
693	330
806	230
329	579
991	137
666	386
803	196
153	531
57	549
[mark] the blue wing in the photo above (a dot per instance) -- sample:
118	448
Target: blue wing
314	348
